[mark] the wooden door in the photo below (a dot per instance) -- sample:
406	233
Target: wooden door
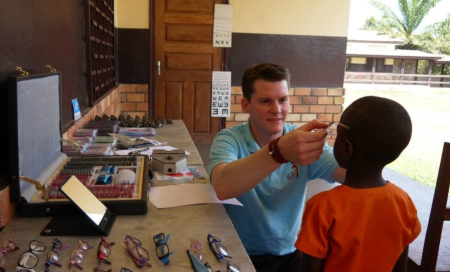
183	46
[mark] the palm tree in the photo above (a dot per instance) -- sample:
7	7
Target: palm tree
437	37
412	13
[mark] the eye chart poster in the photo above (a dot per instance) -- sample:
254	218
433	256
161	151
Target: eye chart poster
221	94
223	17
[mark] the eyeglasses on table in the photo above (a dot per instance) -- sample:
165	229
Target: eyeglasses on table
8	246
219	250
196	247
28	260
96	269
104	250
231	267
162	248
76	257
139	254
53	256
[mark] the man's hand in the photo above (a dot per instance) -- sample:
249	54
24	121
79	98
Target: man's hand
303	145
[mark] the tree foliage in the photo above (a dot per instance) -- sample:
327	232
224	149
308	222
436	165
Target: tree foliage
434	38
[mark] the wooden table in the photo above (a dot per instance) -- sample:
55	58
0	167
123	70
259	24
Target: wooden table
182	223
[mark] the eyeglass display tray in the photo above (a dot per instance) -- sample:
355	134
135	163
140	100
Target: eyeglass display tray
36	152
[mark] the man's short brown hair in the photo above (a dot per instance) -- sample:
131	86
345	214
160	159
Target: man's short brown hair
265	71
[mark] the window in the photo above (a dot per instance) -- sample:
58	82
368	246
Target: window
100	48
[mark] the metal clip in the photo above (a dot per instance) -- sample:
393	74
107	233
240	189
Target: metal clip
52	70
38	185
22	72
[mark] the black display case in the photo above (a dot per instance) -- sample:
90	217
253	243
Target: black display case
35	145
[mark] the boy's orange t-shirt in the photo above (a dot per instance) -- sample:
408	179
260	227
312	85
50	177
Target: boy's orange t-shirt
358	229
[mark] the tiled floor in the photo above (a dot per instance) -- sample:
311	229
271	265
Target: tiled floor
421	195
203	150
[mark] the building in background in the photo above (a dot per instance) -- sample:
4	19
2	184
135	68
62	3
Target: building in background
372	58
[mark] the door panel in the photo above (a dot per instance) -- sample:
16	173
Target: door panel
202	114
189	33
183	45
198	6
188	62
174	91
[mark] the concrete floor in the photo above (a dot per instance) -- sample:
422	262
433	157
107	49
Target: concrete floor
421	195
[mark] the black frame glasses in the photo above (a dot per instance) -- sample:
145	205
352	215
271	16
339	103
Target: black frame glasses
219	250
53	256
104	250
28	260
162	248
139	254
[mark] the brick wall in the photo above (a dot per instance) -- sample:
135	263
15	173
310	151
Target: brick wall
306	104
108	105
134	99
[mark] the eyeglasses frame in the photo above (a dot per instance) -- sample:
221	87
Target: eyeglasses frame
100	255
215	249
81	250
140	260
31	252
162	243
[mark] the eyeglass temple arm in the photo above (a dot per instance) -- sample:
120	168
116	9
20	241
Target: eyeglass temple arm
74	146
38	185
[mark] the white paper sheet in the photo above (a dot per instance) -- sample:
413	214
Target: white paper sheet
223	11
148	152
221	94
185	194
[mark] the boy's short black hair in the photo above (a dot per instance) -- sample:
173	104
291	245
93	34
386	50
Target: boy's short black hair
266	71
379	127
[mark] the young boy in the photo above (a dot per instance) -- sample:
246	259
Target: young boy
367	223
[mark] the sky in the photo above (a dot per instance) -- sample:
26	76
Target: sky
360	10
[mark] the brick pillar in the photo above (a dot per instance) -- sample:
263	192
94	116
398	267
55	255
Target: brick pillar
134	99
306	104
108	105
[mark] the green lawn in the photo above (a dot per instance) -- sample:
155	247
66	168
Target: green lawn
429	109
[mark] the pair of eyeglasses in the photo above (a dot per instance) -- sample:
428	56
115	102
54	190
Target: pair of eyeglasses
219	250
162	248
53	256
29	259
104	250
96	269
332	127
8	246
137	252
196	247
231	267
76	257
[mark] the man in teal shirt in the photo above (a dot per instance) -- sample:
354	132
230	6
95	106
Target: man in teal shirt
266	164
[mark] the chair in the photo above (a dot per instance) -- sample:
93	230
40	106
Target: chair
439	213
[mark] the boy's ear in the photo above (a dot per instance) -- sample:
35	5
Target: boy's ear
245	104
348	153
